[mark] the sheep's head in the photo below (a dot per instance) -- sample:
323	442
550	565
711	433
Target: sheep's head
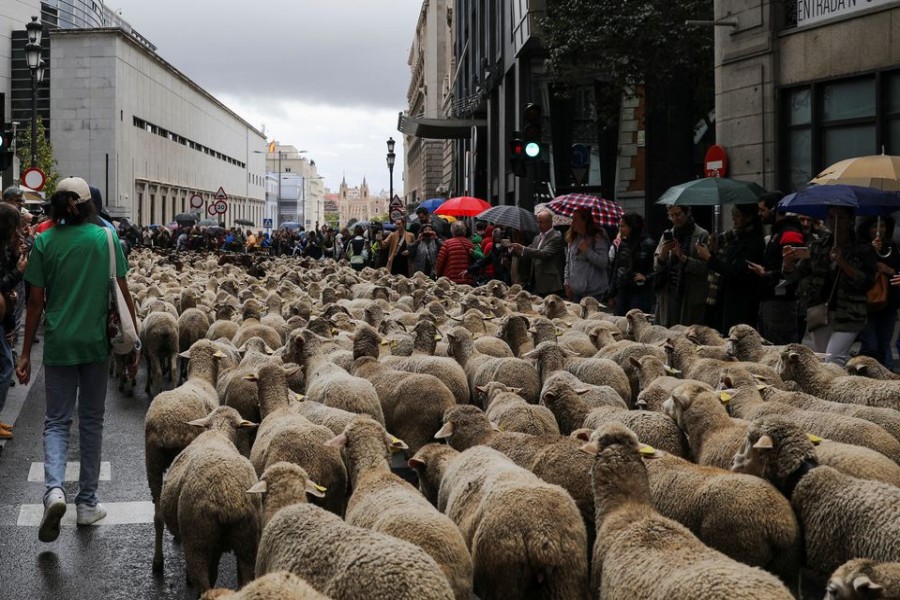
283	484
429	462
773	449
865	366
681	400
458	340
614	444
225	419
464	426
856	580
553	307
489	390
364	440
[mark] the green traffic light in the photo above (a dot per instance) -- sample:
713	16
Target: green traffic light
532	149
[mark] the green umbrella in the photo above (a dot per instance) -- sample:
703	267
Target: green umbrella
712	191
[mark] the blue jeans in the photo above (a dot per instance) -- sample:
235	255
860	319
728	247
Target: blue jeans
86	383
6	367
875	339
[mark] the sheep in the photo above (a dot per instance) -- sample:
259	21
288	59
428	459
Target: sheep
577	342
642	554
640	329
746	344
333	418
744	401
594	371
704	336
166	432
800	364
118	369
193	324
622	352
683	356
651	426
333	386
384	502
514	331
524	534
222	329
159	344
413	403
656	380
338	559
204	502
285	435
842	517
444	368
430	463
866	366
280	585
236	391
554	307
481	369
510	412
862	579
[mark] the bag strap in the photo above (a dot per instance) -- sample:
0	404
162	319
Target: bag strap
834	286
112	252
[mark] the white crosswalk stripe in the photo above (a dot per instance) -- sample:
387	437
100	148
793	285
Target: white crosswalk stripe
117	513
36	473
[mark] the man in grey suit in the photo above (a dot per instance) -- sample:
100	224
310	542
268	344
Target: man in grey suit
546	254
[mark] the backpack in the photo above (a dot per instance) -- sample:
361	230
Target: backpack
356	251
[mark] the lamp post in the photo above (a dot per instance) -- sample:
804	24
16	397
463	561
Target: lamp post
36	66
390	164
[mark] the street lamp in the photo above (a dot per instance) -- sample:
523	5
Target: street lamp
390	163
36	66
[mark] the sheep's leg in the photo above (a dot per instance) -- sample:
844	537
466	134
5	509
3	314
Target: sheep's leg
196	559
159	526
173	368
214	557
149	376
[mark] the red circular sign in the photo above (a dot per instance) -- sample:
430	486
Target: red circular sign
221	207
211	210
716	162
34	178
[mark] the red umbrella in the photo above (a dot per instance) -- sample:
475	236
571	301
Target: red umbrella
462	206
605	212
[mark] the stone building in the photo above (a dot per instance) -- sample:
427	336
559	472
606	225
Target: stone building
358	203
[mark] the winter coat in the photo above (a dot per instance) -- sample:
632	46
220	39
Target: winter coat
453	260
587	272
786	232
424	255
629	261
739	286
682	287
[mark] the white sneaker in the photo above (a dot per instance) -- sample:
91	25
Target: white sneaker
54	509
88	515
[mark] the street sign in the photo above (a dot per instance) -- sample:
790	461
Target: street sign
196	201
396	208
221	207
221	195
716	162
211	210
34	178
267	223
580	161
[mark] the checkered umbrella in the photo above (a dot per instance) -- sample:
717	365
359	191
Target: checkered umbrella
606	212
510	216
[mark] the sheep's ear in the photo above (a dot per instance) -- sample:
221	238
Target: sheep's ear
339	441
867	587
766	342
822	355
258	488
634	362
641	404
293	371
582	391
314	489
496	427
764	443
729	383
385	342
416	463
245	424
569	352
859	369
649	317
218	354
438	337
242	349
725	397
548	396
185	354
583	434
794	356
515	390
393	343
299	397
204	422
481	388
590	448
445	431
251	377
672	370
269	350
532	354
395	443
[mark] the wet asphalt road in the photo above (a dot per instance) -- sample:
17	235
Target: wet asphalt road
99	562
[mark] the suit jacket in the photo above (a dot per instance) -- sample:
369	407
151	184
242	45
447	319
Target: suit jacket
546	267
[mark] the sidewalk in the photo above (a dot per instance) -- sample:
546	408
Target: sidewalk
19	393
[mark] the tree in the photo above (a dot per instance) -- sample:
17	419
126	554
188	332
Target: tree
45	160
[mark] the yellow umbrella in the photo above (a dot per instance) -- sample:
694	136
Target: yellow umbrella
880	172
448	218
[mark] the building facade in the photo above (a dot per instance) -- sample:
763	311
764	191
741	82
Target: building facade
302	188
801	85
359	204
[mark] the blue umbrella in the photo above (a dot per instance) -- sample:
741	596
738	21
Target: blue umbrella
431	204
815	200
290	225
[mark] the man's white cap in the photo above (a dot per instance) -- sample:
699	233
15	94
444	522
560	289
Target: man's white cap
77	186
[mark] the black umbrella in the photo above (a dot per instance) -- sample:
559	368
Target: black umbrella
208	223
510	216
185	218
245	222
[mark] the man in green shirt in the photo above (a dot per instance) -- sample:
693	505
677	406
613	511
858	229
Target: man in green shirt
68	268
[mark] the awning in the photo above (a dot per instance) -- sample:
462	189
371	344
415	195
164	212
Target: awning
438	129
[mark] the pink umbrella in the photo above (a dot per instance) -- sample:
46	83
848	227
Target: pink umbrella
605	212
462	206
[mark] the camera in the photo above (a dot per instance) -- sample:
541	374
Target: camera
668	235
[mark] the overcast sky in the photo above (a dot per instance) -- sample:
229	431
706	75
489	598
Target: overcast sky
327	76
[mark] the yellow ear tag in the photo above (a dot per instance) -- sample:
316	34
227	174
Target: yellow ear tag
761	387
648	450
725	397
333	330
385	342
395	440
299	396
393	343
697	349
321	489
437	338
816	440
672	370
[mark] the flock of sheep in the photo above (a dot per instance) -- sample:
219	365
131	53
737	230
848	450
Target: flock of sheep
560	452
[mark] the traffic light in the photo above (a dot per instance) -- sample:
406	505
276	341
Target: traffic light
6	153
517	155
531	131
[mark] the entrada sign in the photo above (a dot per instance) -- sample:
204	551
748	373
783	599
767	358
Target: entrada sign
810	12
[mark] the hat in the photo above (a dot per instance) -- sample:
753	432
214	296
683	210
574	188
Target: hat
97	199
12	192
77	186
748	210
421	210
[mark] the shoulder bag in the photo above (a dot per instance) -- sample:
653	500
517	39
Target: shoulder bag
122	335
817	315
877	296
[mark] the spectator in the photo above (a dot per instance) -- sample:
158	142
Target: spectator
491	264
839	270
357	250
251	241
680	276
546	254
875	339
455	256
778	308
65	261
632	267
13	260
182	242
14	197
397	245
424	251
587	258
738	289
379	252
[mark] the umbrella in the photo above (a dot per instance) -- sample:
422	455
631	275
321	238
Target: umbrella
462	206
712	191
185	218
215	230
815	200
154	226
880	171
290	225
606	213
558	220
431	204
208	223
510	216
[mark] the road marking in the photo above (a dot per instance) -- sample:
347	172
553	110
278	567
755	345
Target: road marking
36	473
117	513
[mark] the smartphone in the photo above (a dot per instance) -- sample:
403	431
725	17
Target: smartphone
667	235
505	243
